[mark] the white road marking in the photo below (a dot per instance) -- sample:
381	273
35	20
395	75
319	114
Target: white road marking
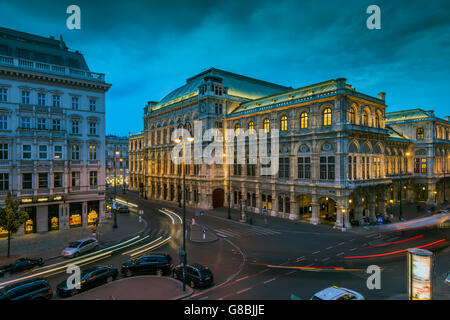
340	254
244	290
329	248
270	280
316	252
325	259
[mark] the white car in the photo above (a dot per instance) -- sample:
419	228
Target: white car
80	246
337	293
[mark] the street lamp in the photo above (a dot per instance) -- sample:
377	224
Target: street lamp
116	153
229	188
404	187
177	141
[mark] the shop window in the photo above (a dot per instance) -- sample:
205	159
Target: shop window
75	215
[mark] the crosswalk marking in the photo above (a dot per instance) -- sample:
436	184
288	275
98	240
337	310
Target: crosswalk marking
237	233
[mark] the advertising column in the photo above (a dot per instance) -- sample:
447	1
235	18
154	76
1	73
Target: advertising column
420	274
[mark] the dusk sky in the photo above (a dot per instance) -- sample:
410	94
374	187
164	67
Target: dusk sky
149	48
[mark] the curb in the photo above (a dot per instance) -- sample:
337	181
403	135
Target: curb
201	240
190	290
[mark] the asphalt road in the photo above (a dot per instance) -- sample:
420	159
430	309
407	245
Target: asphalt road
275	261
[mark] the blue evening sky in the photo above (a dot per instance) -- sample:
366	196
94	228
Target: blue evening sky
149	48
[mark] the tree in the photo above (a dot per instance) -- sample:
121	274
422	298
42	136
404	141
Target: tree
11	217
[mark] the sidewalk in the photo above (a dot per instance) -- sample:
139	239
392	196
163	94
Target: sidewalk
50	244
138	288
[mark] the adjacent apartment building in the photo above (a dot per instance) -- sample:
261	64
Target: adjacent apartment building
52	132
118	174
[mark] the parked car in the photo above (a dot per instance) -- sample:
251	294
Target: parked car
32	289
124	209
196	275
152	263
89	278
21	264
337	293
80	246
447	279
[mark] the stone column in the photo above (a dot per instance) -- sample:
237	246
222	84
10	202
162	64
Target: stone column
275	208
372	207
258	208
315	208
359	209
382	204
293	215
102	215
84	214
431	194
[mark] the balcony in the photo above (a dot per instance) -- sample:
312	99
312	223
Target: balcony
51	68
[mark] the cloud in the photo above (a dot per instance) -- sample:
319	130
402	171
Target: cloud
149	48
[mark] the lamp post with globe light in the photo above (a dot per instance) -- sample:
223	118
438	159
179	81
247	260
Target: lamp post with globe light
177	141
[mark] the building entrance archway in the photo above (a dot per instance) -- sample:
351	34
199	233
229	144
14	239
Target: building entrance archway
217	198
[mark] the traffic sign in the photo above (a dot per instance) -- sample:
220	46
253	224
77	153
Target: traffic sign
204	230
141	212
380	219
94	233
202	213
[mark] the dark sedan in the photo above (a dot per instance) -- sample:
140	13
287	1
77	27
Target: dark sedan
124	209
151	263
89	278
196	275
21	264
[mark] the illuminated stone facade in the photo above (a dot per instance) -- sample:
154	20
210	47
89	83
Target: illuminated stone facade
52	132
338	158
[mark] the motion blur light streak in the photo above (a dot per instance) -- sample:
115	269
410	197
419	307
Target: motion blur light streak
395	242
395	252
145	245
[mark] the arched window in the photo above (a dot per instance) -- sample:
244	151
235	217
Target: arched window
327	117
303	120
352	116
251	127
365	119
284	123
377	121
237	129
419	133
266	125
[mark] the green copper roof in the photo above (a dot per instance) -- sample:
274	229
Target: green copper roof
412	114
239	86
315	89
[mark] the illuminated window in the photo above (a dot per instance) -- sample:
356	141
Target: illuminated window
423	165
284	123
327	117
251	126
303	120
237	129
266	125
419	134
